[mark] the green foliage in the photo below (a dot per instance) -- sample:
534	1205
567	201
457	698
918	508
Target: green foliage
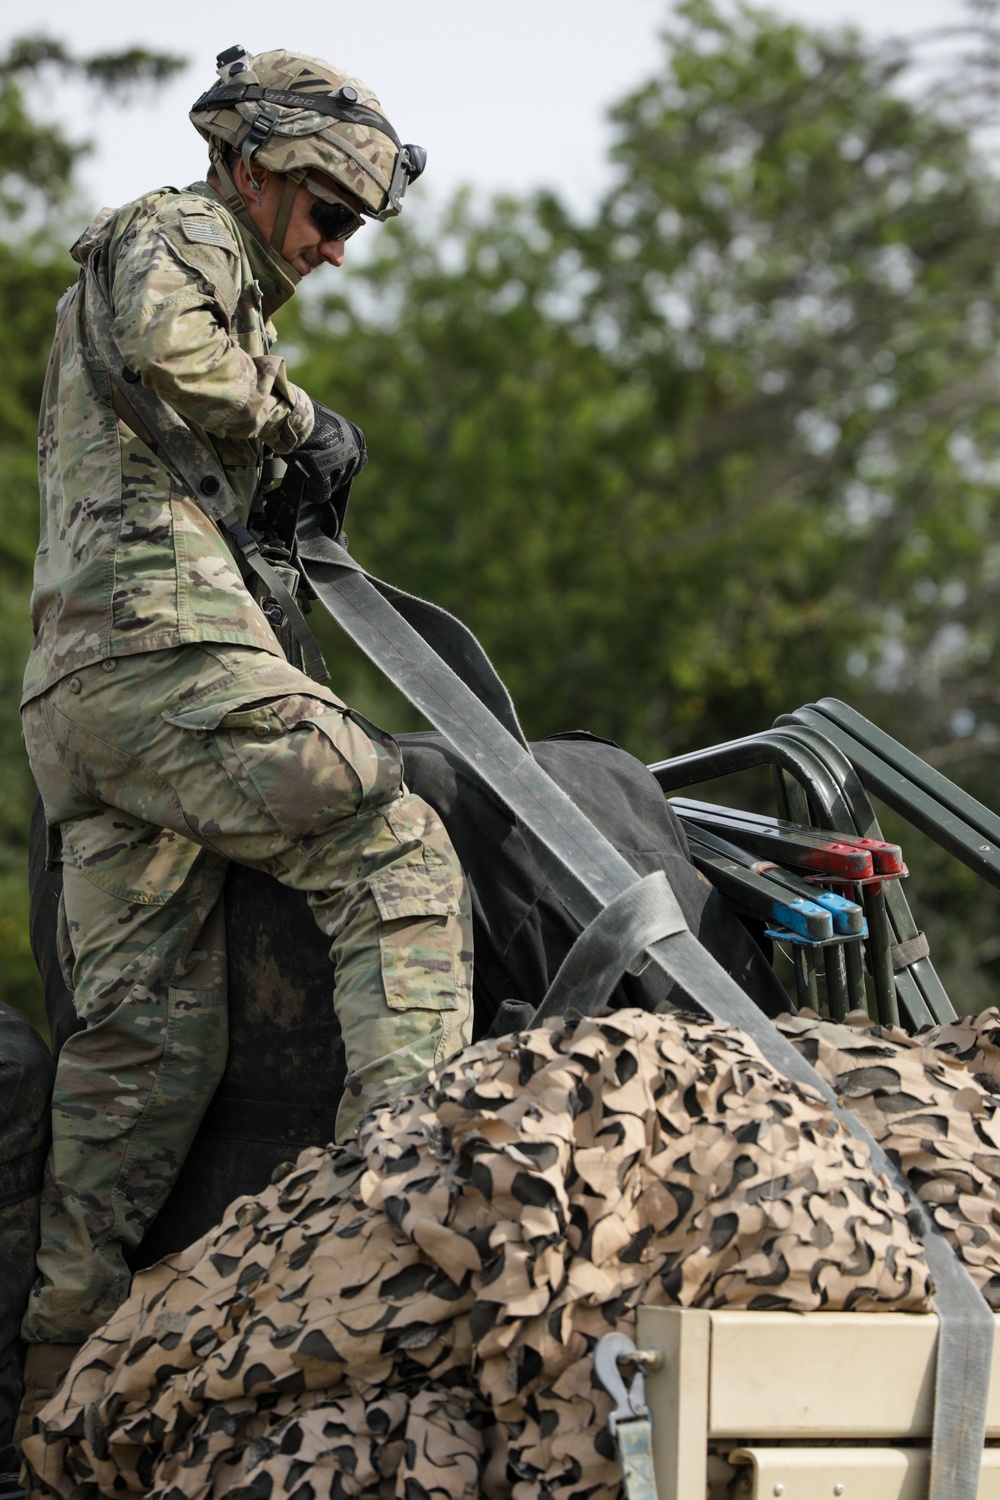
36	191
726	427
37	160
801	263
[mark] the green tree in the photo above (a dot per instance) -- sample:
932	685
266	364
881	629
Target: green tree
37	199
728	444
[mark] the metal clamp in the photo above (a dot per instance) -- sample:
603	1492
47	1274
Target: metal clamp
630	1401
629	1423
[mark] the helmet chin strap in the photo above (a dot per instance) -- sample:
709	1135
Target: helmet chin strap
292	181
238	208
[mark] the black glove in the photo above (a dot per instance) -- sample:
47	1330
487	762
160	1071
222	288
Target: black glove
331	457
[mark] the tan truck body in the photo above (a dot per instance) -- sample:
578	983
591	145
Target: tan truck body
797	1406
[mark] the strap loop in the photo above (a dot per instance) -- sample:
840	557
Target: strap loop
909	952
611	945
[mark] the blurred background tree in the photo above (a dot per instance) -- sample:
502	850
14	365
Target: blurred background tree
727	445
37	207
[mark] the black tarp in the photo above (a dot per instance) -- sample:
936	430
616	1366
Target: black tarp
285	1070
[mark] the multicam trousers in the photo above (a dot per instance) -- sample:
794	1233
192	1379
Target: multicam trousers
159	769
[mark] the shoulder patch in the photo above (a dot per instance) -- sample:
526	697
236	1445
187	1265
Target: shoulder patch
201	229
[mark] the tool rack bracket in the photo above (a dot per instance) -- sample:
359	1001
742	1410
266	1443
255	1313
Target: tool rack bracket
739	1382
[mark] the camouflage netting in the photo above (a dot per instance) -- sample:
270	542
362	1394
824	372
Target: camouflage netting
931	1101
413	1316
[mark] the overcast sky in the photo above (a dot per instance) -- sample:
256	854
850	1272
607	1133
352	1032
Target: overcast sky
504	96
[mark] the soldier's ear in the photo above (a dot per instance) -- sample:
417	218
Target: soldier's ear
245	185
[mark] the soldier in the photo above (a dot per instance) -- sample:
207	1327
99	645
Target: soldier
167	732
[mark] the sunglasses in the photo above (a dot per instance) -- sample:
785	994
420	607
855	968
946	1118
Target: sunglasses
335	219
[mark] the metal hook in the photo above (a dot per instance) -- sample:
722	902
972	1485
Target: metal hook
630	1401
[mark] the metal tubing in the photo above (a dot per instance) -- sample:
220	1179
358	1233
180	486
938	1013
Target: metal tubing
837	990
913	999
834	809
918	987
764	749
859	811
761	893
786	751
936	785
770	747
789	797
880	954
806	987
808	753
760	896
857	992
835	855
848	918
921	806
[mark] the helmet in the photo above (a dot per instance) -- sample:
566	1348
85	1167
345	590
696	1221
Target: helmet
292	113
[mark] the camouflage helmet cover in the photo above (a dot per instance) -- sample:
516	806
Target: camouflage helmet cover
358	156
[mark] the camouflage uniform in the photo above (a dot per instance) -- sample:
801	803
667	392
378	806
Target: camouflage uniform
168	735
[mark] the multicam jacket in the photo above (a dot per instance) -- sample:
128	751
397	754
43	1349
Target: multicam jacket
127	560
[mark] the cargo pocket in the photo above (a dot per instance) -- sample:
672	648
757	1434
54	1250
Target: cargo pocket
129	861
420	937
203	718
310	763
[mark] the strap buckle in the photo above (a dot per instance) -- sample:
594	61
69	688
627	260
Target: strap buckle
260	132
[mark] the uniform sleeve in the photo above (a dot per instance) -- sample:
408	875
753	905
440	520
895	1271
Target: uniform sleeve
178	299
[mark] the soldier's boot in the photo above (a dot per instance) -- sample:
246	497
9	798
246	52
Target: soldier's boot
44	1367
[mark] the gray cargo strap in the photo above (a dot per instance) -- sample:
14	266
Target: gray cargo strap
203	476
587	873
611	945
437	640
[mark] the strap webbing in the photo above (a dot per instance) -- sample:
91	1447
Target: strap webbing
587	873
909	952
230	94
610	945
635	1449
203	476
